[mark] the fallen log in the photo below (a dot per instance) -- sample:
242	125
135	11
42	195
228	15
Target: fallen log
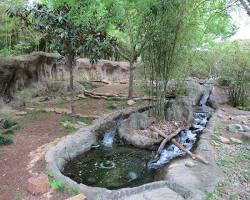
193	156
180	146
167	138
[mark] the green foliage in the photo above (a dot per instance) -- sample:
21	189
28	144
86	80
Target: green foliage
59	185
8	123
5	140
110	105
36	115
60	103
236	70
75	119
69	128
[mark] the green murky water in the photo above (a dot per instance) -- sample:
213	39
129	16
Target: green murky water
112	168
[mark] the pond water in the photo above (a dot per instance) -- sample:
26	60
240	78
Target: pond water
112	168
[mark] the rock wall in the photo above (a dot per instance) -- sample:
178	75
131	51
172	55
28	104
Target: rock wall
19	72
103	70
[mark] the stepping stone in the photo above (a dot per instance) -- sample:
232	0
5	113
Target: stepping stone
224	140
38	185
78	197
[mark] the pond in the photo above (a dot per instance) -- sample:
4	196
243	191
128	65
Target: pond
112	168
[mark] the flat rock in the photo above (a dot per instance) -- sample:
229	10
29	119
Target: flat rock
81	96
78	197
238	128
131	102
224	140
155	194
38	185
62	111
235	140
21	113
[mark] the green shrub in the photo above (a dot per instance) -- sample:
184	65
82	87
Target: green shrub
8	124
110	105
5	140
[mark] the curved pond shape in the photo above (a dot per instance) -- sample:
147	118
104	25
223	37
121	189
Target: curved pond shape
112	168
86	142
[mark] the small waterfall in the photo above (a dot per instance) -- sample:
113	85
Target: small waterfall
205	97
108	139
186	137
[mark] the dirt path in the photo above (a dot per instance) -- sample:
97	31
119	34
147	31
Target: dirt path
15	158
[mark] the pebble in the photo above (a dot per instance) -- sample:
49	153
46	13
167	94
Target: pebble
131	102
190	164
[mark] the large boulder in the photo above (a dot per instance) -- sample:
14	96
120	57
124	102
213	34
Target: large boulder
179	109
134	131
194	91
191	89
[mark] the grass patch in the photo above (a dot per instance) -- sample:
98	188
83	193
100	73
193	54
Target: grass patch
5	140
69	121
110	105
69	128
75	119
36	115
60	103
59	185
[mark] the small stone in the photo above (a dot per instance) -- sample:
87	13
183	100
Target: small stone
223	190
81	123
42	99
21	113
131	102
237	128
38	185
49	109
124	82
78	197
244	122
81	96
235	140
190	164
215	143
62	111
224	140
30	109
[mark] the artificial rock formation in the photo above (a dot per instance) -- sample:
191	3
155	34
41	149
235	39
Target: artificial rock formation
19	72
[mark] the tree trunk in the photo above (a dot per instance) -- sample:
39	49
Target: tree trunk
131	80
71	76
71	85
